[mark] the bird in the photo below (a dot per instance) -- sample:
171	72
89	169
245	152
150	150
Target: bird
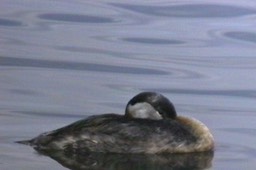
150	125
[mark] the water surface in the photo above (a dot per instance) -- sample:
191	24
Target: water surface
61	61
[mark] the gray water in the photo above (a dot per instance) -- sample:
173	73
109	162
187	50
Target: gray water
61	61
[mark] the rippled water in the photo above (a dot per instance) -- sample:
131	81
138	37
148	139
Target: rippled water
64	60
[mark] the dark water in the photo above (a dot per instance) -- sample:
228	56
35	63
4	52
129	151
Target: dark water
64	60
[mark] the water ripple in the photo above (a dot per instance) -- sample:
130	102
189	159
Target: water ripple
94	50
189	10
235	152
251	132
156	41
231	93
50	114
22	62
8	22
245	36
76	18
241	62
23	92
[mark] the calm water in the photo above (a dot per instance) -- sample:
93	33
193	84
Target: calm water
63	60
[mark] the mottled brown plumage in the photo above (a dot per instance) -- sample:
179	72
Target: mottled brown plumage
112	133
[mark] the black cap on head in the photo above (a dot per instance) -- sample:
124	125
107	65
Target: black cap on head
159	102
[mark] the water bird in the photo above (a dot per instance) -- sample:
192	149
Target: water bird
150	125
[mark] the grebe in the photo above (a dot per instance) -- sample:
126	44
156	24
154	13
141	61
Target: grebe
150	125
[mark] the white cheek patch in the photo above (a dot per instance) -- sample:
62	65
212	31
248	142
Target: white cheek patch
144	111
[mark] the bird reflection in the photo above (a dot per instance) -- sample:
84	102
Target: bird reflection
100	161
